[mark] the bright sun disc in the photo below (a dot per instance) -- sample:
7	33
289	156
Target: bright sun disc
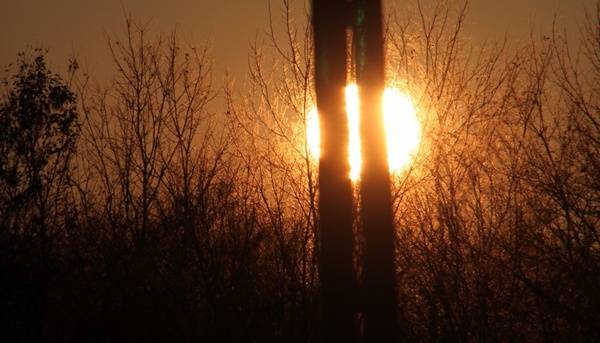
403	130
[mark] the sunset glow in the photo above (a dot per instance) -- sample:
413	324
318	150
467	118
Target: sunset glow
403	130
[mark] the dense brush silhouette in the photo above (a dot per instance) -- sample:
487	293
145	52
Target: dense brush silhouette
146	209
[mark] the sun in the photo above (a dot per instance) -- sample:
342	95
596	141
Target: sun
403	130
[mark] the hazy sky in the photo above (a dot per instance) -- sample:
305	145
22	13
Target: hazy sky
65	26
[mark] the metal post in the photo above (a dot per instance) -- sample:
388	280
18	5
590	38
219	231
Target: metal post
331	18
336	268
379	276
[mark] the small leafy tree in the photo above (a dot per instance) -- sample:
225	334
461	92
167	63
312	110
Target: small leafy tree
38	121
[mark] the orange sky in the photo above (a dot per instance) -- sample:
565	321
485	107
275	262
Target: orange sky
77	25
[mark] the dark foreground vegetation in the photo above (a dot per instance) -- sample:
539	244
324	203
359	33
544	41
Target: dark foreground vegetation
164	207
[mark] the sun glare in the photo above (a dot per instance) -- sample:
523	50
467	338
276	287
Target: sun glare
402	127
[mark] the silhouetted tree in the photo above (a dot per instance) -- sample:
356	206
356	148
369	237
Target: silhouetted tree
268	120
38	121
496	227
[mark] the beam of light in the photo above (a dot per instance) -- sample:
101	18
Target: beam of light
403	130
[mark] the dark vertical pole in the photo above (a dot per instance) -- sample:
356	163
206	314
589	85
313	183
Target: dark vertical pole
376	205
336	269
